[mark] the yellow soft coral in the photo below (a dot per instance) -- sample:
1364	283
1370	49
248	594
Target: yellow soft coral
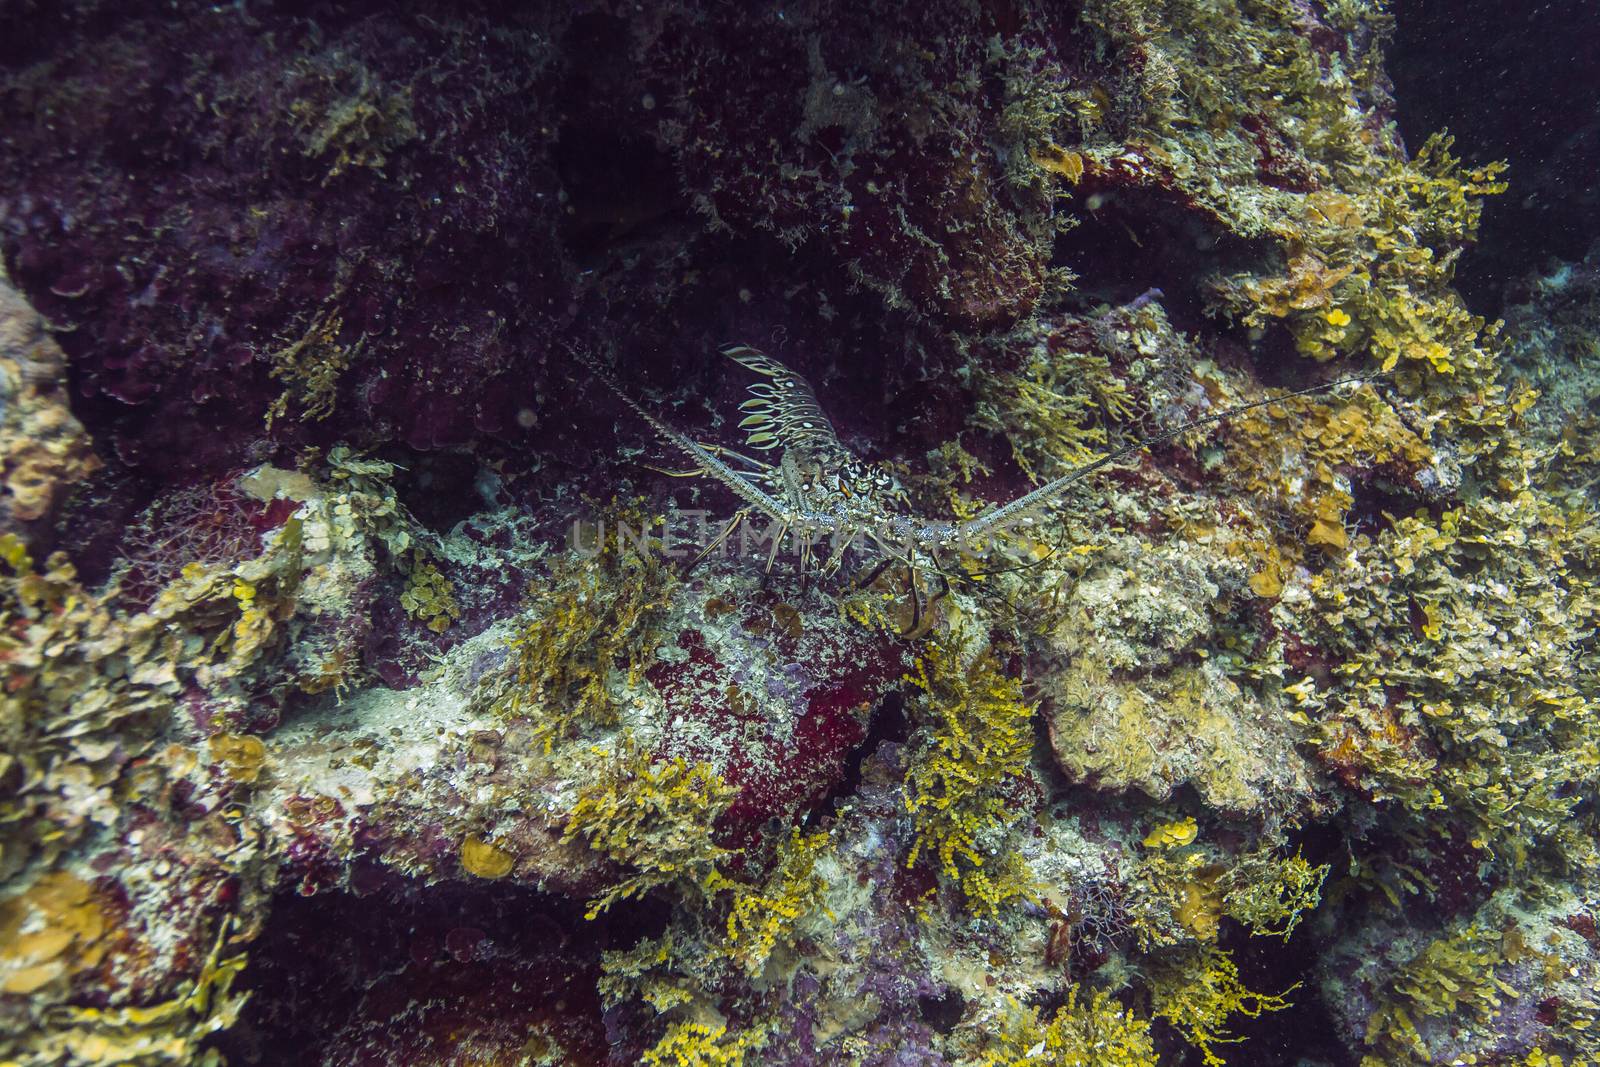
1098	1032
594	613
655	818
760	919
976	745
1200	997
697	1044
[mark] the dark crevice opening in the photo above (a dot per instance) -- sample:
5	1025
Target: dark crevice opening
889	722
1139	241
620	188
1305	1031
1374	499
404	967
1277	364
1515	82
439	488
942	1011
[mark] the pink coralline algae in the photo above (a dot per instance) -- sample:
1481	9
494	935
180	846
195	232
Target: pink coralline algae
777	703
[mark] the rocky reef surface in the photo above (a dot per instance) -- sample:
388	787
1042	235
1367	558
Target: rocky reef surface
362	698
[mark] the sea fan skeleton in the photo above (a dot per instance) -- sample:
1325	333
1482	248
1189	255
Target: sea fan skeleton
818	491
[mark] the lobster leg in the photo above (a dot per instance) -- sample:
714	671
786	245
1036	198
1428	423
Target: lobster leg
716	542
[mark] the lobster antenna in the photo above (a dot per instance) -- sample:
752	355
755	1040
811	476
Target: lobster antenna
713	466
1053	489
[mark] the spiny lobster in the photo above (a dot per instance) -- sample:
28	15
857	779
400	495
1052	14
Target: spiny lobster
818	491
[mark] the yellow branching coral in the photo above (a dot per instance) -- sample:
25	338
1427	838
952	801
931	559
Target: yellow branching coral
655	970
1202	994
312	366
1270	895
655	818
760	919
1185	892
684	973
594	613
696	1044
358	128
1098	1032
975	746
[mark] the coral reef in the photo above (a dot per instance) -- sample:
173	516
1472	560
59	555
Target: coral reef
374	689
44	446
